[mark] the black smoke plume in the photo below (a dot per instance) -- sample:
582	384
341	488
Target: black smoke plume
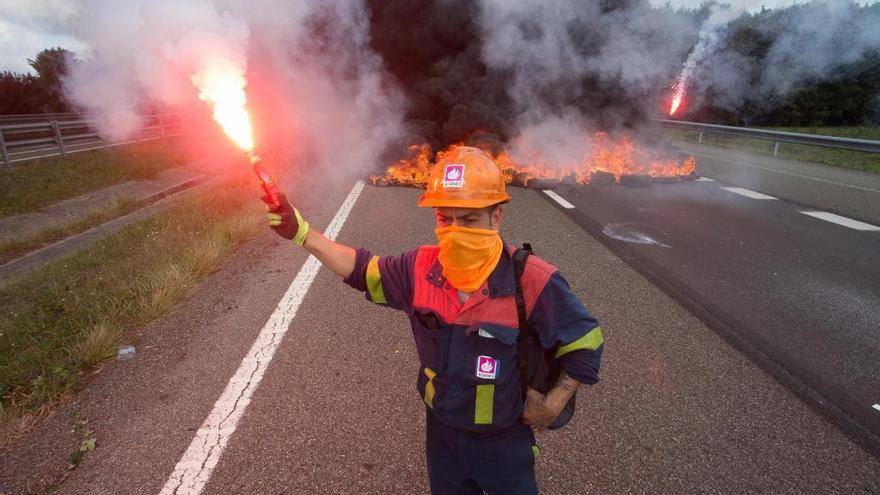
507	67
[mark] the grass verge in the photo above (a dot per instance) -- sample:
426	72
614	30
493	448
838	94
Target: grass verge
118	206
29	186
58	323
857	160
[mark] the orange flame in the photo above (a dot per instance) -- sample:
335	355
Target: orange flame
607	156
221	85
411	172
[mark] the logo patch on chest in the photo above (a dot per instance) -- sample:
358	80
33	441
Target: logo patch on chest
487	367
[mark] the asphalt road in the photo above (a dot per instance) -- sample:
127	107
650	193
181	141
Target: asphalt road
679	410
798	293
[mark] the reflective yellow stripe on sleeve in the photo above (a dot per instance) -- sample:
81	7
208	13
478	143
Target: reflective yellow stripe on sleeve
591	341
484	404
429	387
374	281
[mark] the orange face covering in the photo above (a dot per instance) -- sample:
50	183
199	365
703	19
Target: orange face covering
468	255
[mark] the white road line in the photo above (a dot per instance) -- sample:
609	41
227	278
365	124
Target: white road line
839	220
747	193
198	462
559	199
705	179
876	406
768	169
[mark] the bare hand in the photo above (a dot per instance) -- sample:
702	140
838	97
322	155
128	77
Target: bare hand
538	412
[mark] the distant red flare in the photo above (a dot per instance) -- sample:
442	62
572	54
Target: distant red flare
677	100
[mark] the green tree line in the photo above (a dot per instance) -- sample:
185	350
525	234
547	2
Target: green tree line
40	93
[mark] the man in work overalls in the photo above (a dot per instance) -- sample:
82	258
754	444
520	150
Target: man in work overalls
459	296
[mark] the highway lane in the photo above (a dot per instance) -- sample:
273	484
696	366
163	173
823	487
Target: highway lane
852	193
678	410
798	293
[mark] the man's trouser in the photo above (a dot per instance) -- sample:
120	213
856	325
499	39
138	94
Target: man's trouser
464	463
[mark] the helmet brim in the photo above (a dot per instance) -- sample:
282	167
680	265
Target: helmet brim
428	202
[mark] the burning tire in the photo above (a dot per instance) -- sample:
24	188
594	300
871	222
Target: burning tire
543	184
635	180
379	181
665	179
520	179
601	178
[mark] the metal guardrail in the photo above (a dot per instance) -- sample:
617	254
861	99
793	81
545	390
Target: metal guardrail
40	136
777	137
26	118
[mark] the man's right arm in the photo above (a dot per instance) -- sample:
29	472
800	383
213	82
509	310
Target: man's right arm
339	258
287	222
386	280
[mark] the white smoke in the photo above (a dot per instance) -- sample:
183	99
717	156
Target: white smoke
555	140
817	39
330	87
629	51
551	48
810	42
710	34
311	59
145	52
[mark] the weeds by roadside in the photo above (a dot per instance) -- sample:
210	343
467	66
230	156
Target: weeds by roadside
87	443
869	162
30	186
70	316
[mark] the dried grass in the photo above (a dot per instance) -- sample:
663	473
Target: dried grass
68	317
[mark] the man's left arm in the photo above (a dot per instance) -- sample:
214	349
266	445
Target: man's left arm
561	319
541	410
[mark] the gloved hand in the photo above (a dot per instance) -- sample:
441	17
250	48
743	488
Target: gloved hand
287	222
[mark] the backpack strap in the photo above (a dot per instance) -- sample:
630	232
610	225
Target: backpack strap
546	378
520	257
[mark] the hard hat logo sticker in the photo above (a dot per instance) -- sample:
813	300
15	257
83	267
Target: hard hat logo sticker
453	176
487	367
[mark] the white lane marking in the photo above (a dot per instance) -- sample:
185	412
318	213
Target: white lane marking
768	169
705	179
839	220
747	193
559	199
876	406
194	469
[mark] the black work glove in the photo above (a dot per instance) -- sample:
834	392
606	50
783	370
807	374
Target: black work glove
285	220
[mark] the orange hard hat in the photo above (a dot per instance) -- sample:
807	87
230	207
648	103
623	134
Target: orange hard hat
464	177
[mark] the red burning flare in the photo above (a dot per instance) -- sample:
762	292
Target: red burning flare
222	84
677	99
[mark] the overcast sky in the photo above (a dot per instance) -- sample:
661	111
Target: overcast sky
29	26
